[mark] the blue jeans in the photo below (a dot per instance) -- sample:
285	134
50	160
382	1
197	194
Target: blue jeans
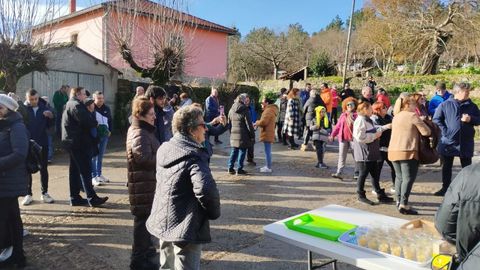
237	154
97	160
268	154
50	147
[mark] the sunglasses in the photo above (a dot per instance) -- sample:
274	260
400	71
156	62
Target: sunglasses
351	104
203	125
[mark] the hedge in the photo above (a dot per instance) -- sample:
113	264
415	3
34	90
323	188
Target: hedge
226	94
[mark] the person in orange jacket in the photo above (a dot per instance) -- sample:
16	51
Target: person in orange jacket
326	95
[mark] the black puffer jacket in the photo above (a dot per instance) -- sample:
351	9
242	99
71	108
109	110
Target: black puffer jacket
242	132
13	153
77	123
310	105
186	197
387	134
142	146
457	219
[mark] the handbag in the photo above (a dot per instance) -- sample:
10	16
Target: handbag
427	149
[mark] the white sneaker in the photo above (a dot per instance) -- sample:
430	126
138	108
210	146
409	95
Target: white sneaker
373	192
265	170
392	190
46	198
27	200
5	253
103	179
96	181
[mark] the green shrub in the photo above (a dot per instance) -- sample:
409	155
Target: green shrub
459	71
270	95
123	106
2	81
320	65
395	91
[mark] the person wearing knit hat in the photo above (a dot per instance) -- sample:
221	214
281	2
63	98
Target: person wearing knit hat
13	181
8	102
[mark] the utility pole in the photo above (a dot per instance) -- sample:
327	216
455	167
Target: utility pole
345	64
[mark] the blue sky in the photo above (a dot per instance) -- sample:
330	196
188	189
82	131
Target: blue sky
313	15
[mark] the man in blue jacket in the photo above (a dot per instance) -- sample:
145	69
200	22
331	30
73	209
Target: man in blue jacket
456	117
441	95
212	109
305	93
40	119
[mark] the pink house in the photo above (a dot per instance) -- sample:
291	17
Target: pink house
207	42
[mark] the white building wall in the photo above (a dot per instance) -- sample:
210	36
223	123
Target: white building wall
75	68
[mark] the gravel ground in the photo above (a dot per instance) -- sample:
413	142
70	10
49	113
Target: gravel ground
64	237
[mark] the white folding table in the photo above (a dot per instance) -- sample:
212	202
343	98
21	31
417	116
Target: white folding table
336	250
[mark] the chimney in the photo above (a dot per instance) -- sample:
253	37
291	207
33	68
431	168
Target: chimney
73	6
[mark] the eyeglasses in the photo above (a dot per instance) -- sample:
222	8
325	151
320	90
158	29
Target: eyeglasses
203	125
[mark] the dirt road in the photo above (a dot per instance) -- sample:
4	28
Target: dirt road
64	237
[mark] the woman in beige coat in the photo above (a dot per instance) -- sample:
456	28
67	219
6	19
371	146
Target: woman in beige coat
403	150
267	132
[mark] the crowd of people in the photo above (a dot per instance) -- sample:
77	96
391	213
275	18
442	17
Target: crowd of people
172	192
82	123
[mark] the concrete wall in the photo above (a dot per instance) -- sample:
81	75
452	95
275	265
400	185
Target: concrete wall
73	67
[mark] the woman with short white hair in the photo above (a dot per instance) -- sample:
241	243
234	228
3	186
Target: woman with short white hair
186	197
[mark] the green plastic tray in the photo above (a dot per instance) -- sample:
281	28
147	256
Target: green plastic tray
317	226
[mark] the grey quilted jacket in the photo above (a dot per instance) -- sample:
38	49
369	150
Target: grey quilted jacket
186	197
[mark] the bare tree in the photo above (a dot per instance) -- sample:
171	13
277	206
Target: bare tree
161	28
425	28
276	48
243	65
19	52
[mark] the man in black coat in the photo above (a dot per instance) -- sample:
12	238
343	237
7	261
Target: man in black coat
77	125
347	92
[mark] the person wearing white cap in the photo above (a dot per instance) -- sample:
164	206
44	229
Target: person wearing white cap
13	181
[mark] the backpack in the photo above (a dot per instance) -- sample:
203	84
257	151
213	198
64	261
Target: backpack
427	149
34	157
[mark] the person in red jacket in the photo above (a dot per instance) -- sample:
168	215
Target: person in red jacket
382	96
